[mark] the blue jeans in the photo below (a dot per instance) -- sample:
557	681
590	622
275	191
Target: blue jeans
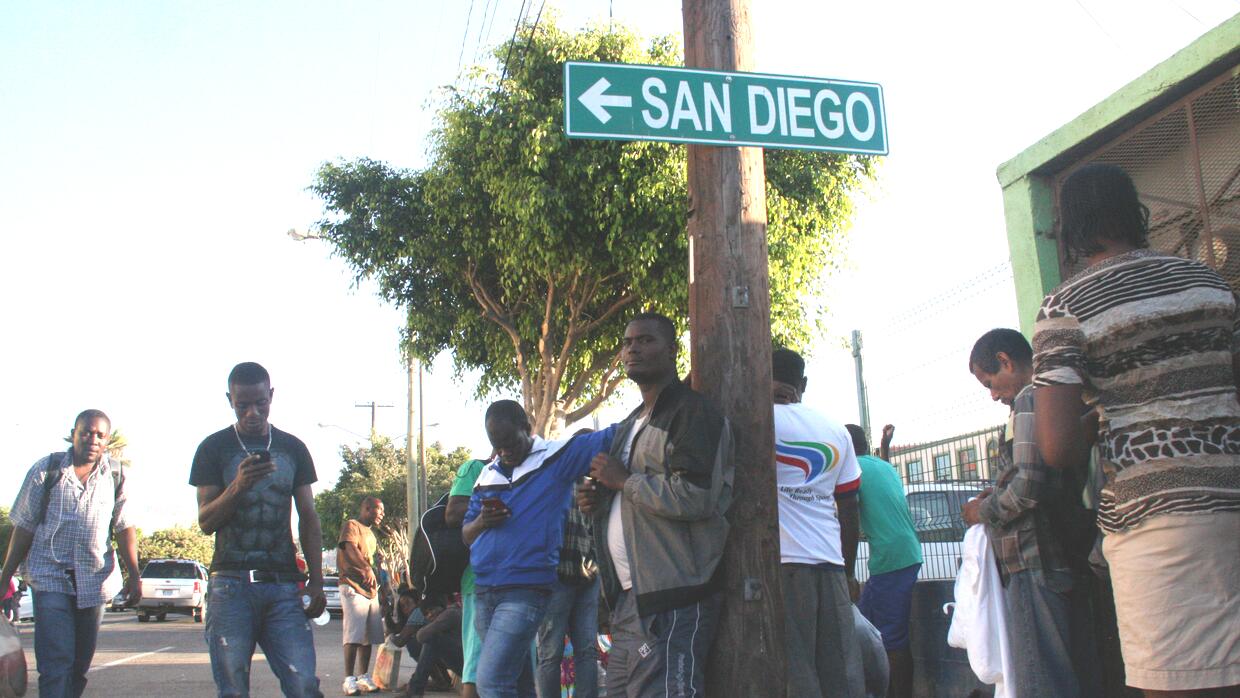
573	609
240	614
507	620
1049	628
445	648
64	643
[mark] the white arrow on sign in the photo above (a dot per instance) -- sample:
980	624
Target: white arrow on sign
595	100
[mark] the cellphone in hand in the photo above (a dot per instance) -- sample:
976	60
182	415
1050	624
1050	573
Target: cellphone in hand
494	504
262	455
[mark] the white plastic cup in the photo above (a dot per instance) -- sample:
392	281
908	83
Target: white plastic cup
321	620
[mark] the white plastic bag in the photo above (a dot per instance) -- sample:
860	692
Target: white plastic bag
12	661
979	623
387	667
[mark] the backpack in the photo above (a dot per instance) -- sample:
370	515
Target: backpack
438	554
52	476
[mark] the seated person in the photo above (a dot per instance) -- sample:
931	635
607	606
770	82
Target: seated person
432	635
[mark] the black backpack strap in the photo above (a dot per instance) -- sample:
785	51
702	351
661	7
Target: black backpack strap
51	478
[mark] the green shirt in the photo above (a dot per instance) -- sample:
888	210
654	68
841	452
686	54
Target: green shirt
884	517
463	486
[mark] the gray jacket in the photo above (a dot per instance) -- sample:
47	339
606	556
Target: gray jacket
674	502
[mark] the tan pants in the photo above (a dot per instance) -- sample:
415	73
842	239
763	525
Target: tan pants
1177	598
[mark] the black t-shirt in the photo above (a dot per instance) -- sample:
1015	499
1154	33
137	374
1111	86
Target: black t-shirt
259	535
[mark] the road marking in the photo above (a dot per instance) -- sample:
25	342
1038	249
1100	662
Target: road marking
130	658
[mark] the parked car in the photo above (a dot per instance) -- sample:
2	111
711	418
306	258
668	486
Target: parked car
331	590
118	602
173	586
25	604
935	507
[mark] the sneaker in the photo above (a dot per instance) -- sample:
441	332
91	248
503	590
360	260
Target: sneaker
365	684
350	686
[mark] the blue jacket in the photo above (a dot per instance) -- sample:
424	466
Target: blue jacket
525	550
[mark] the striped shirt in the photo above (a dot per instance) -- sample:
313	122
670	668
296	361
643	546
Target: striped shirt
1151	338
74	536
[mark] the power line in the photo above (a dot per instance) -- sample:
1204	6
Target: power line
1097	23
1185	11
468	18
952	297
508	56
482	28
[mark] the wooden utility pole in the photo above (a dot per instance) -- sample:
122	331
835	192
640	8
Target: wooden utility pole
730	344
374	408
413	483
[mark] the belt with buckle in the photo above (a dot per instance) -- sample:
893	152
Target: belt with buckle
261	576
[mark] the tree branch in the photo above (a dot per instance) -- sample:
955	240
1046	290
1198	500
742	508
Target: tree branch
602	361
495	313
607	314
593	403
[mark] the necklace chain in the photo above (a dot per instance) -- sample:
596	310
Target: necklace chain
270	432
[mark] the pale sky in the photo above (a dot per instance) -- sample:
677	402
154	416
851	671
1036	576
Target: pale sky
153	154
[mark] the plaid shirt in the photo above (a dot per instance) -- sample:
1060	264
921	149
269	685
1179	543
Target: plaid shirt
74	536
1015	515
577	560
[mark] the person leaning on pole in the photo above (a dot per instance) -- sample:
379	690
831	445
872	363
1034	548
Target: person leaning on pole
659	497
68	504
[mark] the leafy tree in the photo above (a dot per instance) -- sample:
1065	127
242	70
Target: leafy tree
379	468
188	543
6	528
522	252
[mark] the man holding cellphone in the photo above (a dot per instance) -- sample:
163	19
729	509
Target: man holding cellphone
248	475
514	526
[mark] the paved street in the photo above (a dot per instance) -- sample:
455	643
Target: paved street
170	658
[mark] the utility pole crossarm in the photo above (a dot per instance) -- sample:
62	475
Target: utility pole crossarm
374	408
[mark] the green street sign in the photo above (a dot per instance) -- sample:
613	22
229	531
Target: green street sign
611	101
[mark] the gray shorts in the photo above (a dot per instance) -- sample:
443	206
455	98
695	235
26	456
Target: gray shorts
363	619
824	658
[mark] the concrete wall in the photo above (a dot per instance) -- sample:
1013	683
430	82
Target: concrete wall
1027	180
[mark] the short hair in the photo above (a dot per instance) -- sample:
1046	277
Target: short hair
666	326
860	444
433	600
509	411
1100	202
361	501
248	373
87	415
985	351
787	366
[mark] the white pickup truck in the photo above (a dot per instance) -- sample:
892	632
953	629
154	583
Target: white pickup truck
173	586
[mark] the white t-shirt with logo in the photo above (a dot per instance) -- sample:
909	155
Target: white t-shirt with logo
814	461
615	525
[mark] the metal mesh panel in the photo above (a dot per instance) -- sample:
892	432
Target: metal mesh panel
1185	163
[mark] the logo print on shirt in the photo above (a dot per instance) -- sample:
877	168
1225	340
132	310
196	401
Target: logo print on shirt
810	457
